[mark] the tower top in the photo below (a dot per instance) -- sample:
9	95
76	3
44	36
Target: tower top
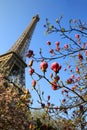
20	47
36	17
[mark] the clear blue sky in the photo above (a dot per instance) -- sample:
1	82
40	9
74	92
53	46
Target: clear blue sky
15	15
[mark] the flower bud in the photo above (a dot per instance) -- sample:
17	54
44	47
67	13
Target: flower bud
31	71
33	83
30	63
43	66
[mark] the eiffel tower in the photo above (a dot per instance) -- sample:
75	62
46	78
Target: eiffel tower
12	63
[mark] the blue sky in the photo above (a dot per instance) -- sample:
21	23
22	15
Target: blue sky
15	15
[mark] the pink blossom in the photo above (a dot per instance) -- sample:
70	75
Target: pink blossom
80	56
63	100
57	49
77	69
66	46
57	43
55	67
74	87
30	53
43	66
64	69
48	43
48	97
77	36
77	79
69	66
33	83
73	76
51	51
54	86
69	81
31	71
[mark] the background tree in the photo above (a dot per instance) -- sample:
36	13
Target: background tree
14	109
14	106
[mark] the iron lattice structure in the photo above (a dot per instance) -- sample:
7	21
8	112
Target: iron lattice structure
12	63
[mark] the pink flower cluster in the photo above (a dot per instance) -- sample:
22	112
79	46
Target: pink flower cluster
69	81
